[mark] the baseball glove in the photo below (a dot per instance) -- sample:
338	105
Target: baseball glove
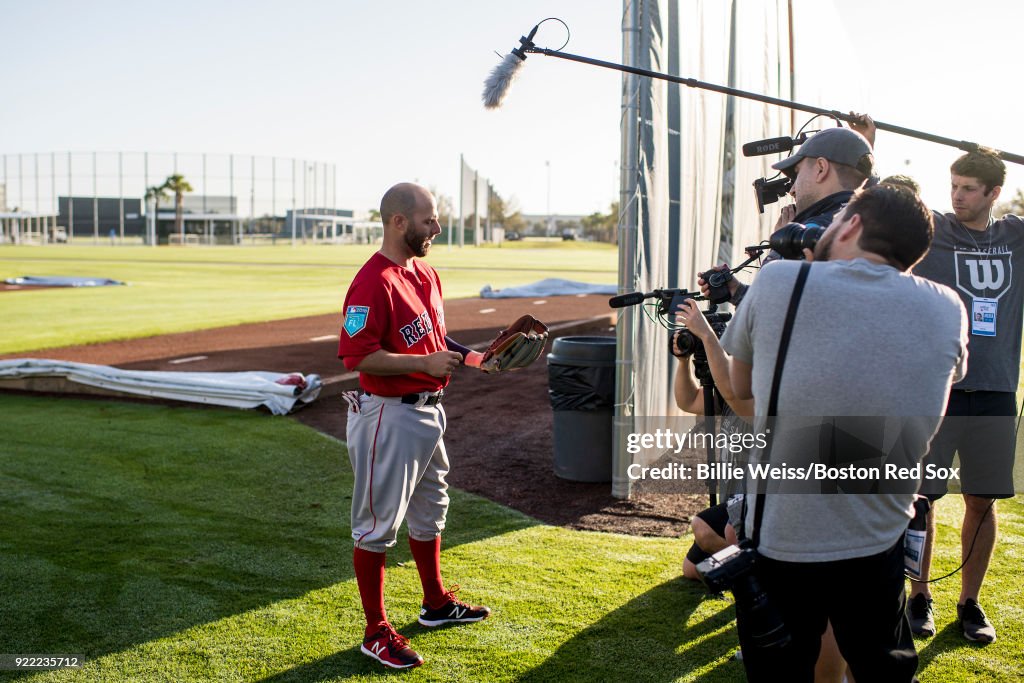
517	346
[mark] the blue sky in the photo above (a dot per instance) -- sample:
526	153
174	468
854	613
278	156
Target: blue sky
390	90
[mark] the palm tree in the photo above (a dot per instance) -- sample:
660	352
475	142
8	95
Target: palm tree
179	186
155	194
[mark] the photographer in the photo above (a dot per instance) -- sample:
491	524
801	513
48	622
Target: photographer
825	171
712	527
838	558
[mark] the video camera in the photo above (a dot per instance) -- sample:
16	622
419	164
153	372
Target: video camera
682	342
686	343
769	191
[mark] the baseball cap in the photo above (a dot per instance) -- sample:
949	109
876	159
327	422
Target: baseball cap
841	145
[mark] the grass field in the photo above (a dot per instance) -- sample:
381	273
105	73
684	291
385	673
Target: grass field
163	557
212	545
183	289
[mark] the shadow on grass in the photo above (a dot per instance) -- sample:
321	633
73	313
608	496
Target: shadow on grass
126	523
948	639
644	640
348	662
648	639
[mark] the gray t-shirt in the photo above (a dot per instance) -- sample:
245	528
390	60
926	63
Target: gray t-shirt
979	266
868	340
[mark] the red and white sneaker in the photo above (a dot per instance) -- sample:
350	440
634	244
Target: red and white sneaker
390	648
453	612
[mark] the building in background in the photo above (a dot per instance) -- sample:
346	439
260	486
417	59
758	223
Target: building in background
96	196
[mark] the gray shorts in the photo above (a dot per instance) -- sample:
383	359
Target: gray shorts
399	463
980	426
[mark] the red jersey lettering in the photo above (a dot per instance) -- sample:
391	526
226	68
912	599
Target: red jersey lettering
400	311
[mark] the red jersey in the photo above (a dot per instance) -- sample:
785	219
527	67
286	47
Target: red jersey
398	310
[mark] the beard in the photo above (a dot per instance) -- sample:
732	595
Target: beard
418	244
823	249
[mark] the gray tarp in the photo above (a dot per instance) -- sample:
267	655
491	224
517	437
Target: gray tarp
549	287
279	392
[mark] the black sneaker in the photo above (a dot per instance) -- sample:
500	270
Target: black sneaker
974	624
453	612
922	619
390	648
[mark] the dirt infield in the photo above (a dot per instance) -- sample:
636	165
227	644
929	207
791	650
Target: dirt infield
499	430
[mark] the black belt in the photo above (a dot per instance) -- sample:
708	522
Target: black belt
414	399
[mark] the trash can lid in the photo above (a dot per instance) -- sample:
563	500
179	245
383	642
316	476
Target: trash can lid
583	351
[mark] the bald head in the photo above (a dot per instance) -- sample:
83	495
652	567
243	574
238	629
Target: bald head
404	199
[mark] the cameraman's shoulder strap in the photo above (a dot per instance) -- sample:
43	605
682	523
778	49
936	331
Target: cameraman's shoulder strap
787	332
773	399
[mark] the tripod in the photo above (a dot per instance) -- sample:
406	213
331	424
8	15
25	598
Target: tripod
711	397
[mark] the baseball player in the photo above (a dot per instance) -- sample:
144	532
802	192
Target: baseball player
394	335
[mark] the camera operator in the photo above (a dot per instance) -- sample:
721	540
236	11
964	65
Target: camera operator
825	171
839	558
711	530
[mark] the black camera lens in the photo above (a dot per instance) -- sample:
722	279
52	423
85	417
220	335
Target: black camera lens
734	568
764	623
683	344
791	239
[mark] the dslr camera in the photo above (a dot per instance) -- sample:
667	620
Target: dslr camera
792	238
735	568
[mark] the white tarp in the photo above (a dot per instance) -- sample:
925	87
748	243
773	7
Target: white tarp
61	281
552	286
277	391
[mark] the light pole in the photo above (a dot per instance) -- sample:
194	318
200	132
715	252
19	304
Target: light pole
549	230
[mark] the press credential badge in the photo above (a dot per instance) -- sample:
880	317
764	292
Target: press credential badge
983	317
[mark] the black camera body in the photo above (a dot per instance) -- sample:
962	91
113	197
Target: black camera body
735	568
792	238
770	191
721	570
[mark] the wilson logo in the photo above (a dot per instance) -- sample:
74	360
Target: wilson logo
983	275
992	277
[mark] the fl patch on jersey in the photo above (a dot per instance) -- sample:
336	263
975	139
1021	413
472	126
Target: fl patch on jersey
355	319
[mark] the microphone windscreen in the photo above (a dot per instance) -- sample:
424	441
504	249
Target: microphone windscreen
623	300
769	146
497	84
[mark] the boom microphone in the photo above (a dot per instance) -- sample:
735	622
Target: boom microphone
631	299
497	84
770	146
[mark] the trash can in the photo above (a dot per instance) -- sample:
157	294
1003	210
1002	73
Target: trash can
581	385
